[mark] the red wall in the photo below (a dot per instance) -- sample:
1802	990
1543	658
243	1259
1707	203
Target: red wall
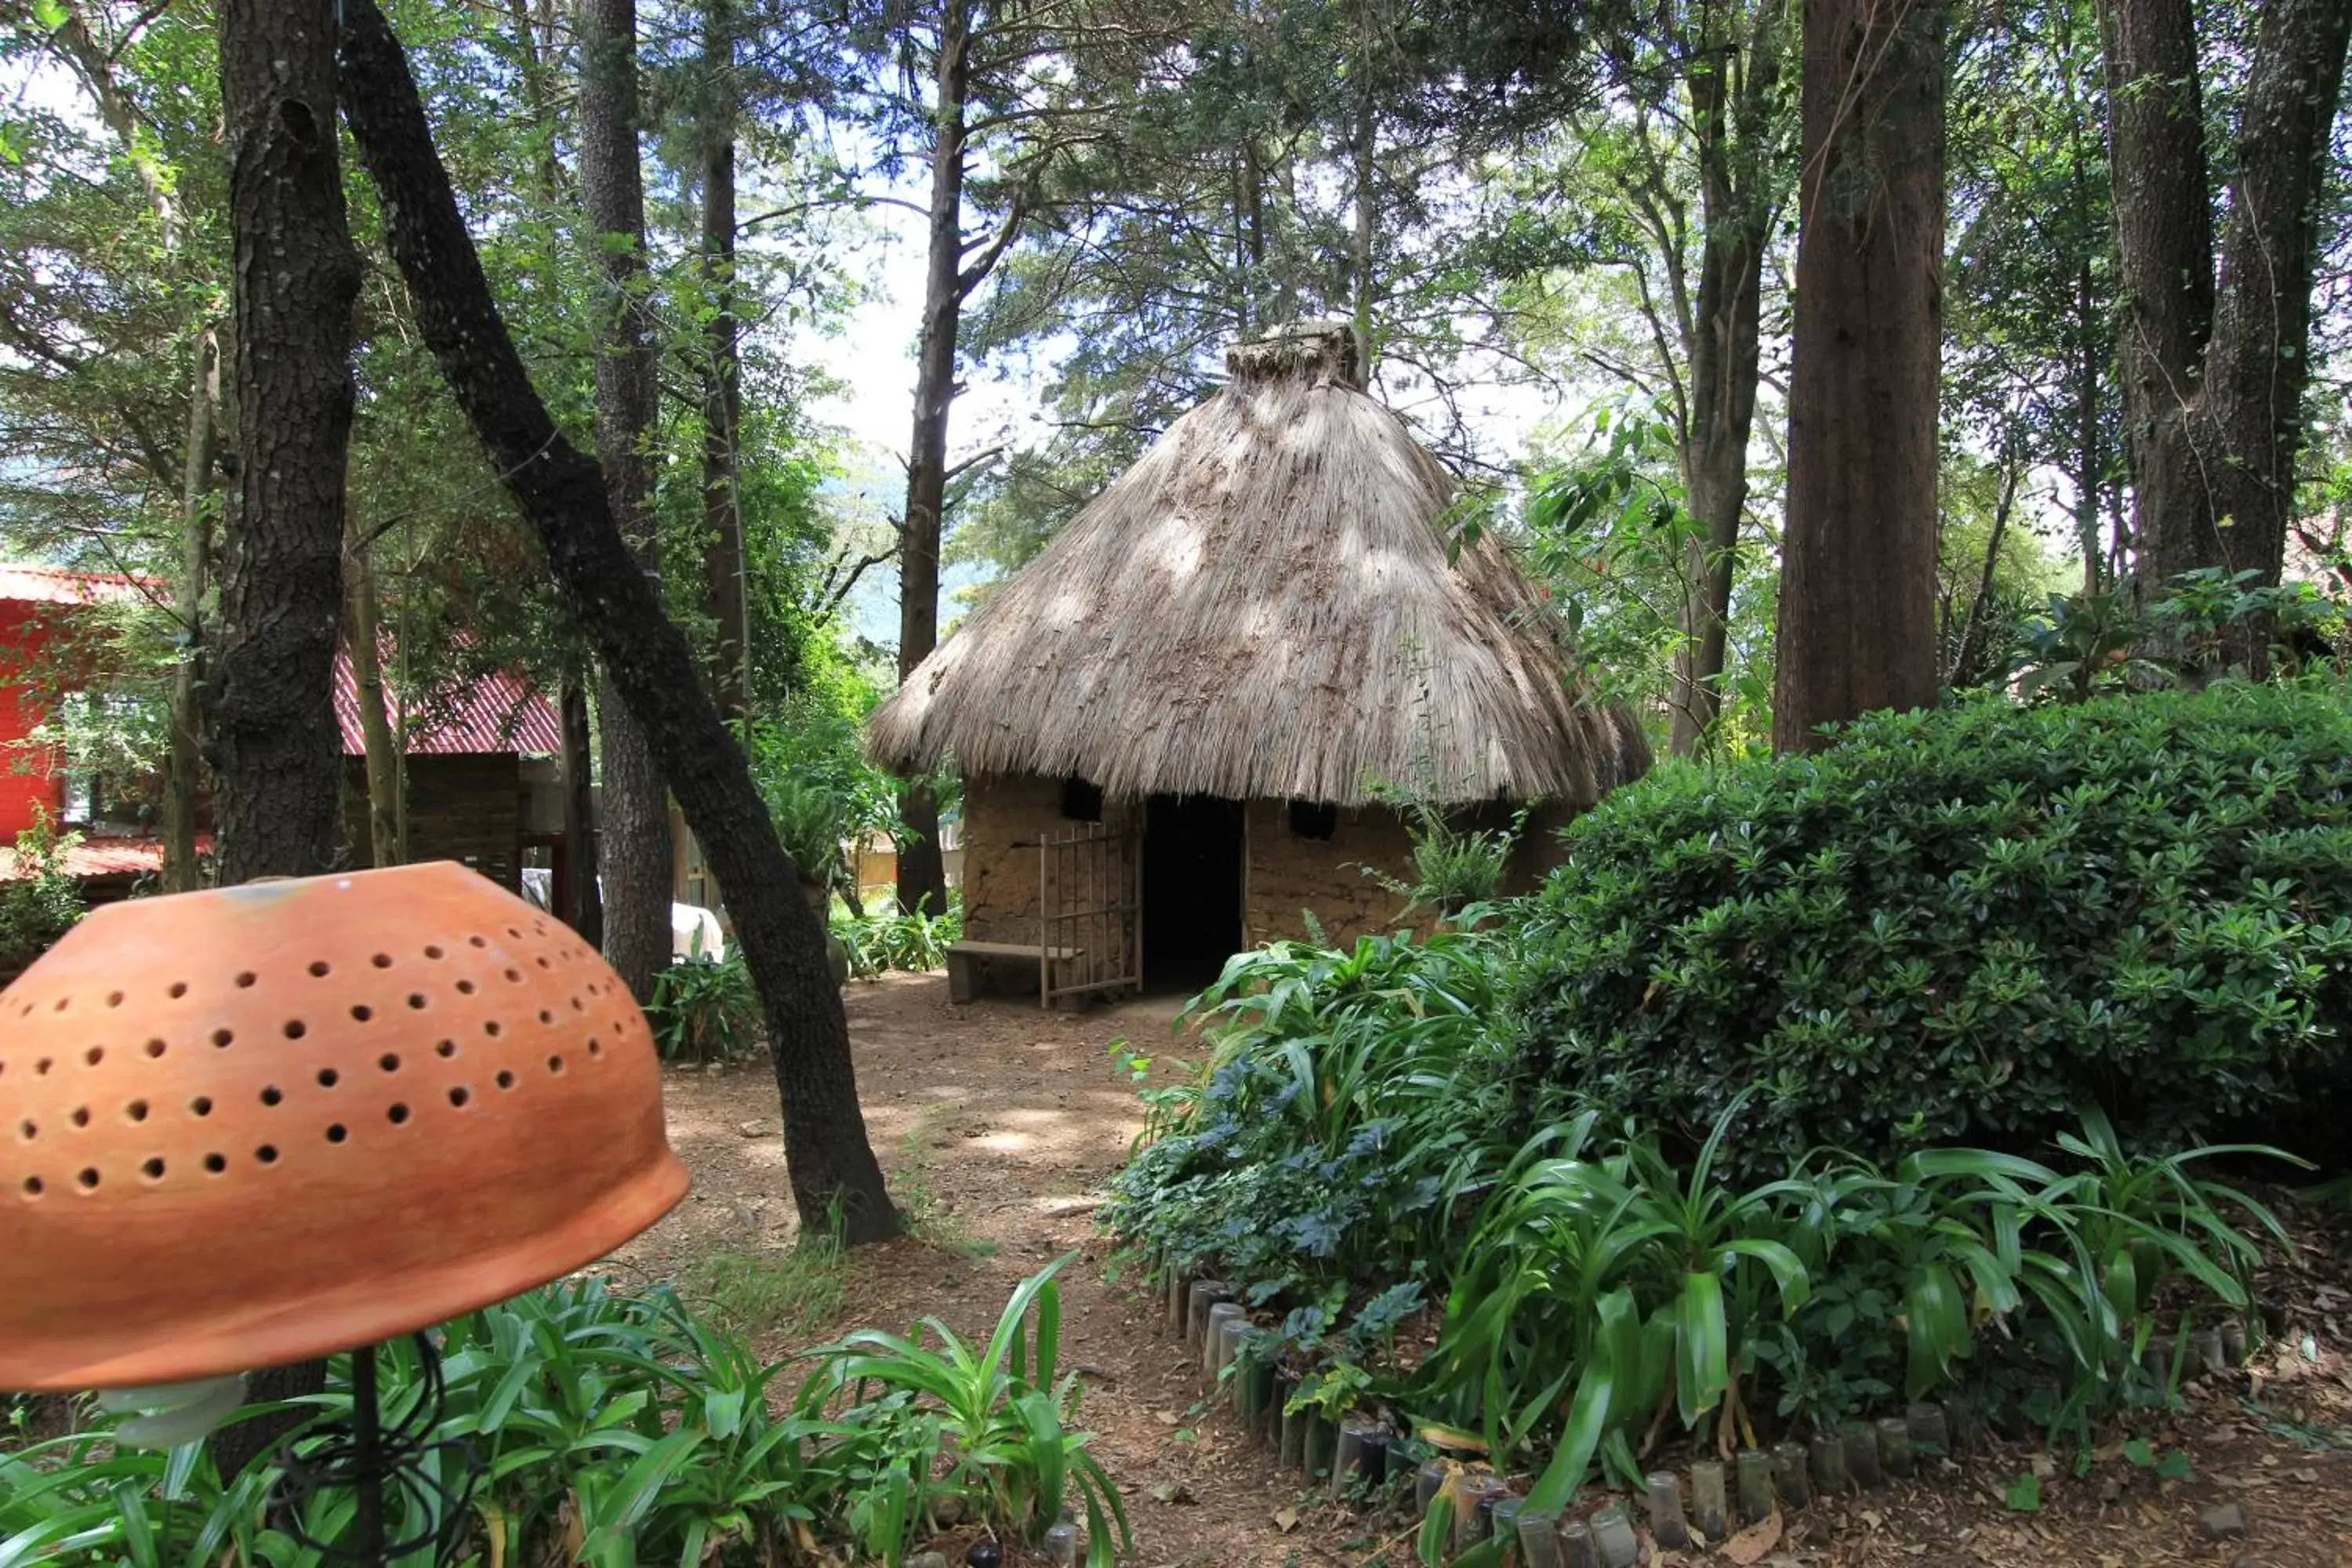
20	791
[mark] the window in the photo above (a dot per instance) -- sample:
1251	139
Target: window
1313	819
1081	801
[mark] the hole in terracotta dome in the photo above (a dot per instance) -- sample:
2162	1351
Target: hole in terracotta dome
33	1186
136	1110
595	1046
505	1080
28	1129
445	1048
152	1169
267	1154
490	1027
95	1054
223	1036
296	1028
41	1068
216	1163
82	1116
545	1016
543	963
114	998
381	960
388	1062
321	968
464	988
201	1105
63	1002
578	1005
361	1012
89	1178
273	1095
244	982
459	1095
539	928
478	942
433	950
155	1047
329	1078
514	934
555	1066
396	1115
417	1001
337	1133
515	975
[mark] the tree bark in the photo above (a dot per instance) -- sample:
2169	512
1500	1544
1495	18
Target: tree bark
1736	205
2215	367
1858	577
725	592
584	911
184	764
922	874
294	278
381	747
634	849
562	496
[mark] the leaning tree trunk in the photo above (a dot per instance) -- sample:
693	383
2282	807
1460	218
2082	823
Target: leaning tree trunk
633	850
582	909
183	766
923	872
561	495
1858	573
379	746
294	277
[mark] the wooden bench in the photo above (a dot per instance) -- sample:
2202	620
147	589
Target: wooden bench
965	958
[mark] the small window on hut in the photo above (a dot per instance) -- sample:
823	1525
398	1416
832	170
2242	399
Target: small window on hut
1081	801
1313	819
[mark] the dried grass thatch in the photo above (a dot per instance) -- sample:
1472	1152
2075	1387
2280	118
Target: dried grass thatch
1261	608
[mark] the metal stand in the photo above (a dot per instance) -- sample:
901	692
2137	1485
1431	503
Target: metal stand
405	1465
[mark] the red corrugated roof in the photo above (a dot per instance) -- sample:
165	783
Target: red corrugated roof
497	713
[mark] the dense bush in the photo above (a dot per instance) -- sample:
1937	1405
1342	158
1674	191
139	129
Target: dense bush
41	903
615	1429
1964	925
876	943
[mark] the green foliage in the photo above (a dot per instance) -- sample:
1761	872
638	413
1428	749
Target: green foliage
1339	1132
2203	625
614	1429
1605	1282
705	1010
41	903
1454	867
811	820
1963	925
916	943
752	1294
987	1422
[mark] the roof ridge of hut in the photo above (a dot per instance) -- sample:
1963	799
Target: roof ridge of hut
1266	605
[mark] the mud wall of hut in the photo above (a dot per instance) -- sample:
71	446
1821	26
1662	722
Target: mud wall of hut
1290	873
1004	819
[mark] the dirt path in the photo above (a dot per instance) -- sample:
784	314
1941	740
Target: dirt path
999	1125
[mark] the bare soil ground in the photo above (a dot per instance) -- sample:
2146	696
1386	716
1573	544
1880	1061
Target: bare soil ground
1000	1124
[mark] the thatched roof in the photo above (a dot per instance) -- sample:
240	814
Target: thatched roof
1261	607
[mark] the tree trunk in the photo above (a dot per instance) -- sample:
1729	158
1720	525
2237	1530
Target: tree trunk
1736	213
382	748
584	911
1365	149
634	848
183	766
2215	368
1858	577
725	593
922	874
294	277
561	495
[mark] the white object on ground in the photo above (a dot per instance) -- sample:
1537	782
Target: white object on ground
694	933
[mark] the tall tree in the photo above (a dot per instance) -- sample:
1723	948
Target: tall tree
565	497
634	849
296	276
2215	367
725	597
1858	575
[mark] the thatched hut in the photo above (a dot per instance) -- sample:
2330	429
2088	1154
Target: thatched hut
1220	670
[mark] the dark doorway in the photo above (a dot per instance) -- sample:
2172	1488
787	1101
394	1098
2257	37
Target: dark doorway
1191	889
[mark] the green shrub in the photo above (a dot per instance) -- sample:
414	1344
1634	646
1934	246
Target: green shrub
41	903
917	943
705	1010
1962	925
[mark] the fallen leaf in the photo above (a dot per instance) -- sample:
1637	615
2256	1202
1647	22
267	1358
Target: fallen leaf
1449	1438
1166	1417
1171	1492
1286	1520
1751	1545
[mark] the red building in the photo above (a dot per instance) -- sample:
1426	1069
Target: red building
481	777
